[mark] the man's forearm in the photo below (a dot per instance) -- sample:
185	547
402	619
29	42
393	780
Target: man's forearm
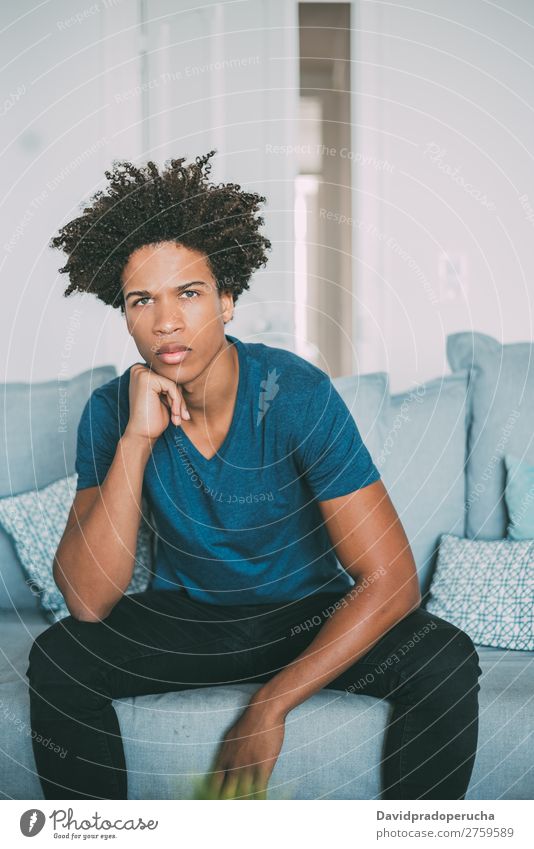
94	562
347	635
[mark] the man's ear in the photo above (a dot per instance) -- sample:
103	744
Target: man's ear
227	300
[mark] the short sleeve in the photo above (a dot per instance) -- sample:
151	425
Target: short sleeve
97	439
331	454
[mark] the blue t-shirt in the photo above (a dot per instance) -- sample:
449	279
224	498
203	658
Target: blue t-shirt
243	527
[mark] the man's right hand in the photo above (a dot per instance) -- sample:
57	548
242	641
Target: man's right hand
154	401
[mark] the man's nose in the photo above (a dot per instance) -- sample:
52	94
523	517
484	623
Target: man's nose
168	320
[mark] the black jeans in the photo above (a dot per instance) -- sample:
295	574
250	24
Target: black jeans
161	640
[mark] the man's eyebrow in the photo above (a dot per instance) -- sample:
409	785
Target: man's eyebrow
145	292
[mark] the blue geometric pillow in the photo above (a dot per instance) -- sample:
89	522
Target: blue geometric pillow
486	588
519	497
36	521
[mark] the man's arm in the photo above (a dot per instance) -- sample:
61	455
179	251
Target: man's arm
95	558
369	542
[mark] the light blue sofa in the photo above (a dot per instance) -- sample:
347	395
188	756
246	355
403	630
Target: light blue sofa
430	444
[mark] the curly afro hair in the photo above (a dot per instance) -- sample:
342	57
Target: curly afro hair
145	206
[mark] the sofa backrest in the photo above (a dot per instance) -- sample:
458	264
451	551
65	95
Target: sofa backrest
423	464
39	424
501	399
367	397
442	456
417	440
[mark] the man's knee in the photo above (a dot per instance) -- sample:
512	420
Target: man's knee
61	651
449	658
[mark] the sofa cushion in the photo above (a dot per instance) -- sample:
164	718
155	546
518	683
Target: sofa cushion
501	398
39	424
422	463
519	497
503	763
367	397
486	588
16	592
36	520
18	629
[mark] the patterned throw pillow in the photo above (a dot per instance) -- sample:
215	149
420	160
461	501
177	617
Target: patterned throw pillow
36	520
486	588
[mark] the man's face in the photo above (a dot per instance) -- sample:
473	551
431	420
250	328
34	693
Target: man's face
171	300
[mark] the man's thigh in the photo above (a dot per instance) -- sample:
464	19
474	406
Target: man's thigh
421	642
154	641
279	632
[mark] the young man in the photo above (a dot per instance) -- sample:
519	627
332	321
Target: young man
257	478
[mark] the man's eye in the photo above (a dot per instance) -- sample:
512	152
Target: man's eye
187	292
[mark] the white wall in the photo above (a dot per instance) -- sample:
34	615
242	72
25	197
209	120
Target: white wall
445	73
444	84
59	132
76	96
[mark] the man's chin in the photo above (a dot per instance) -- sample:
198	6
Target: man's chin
173	371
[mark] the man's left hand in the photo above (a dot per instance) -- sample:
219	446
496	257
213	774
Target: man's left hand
248	754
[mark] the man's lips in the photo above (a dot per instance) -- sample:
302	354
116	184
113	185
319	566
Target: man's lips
171	348
173	356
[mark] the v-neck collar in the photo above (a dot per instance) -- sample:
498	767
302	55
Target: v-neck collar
238	408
